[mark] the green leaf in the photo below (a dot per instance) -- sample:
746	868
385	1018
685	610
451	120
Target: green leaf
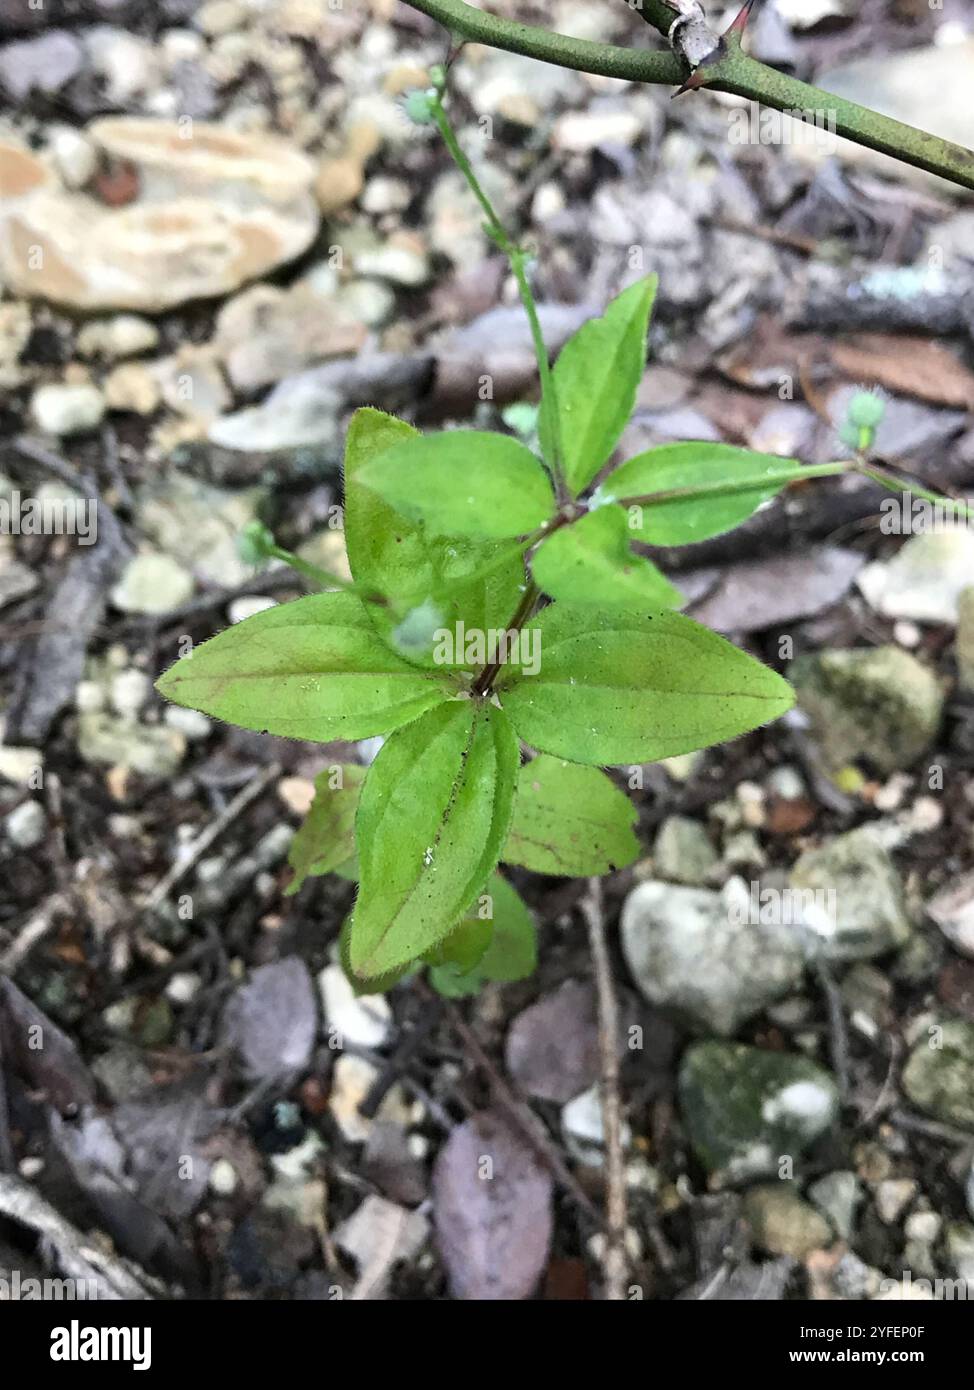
513	950
312	669
378	984
570	820
681	521
616	687
591	561
464	483
430	582
512	953
433	816
595	379
325	841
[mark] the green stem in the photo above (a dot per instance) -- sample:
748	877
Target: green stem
728	489
320	576
735	72
517	258
895	484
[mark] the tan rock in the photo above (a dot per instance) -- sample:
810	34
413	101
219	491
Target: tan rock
214	209
339	182
132	386
264	333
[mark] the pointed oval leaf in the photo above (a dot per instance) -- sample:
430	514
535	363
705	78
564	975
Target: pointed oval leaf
433	816
430	582
325	840
672	467
591	561
464	483
595	381
616	687
570	820
312	669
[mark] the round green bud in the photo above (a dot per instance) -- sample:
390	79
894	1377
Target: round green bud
419	107
865	410
255	543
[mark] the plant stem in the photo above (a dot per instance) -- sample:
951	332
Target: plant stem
735	72
517	258
895	484
729	488
485	678
320	576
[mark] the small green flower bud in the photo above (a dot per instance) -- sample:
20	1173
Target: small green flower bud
419	107
438	78
255	543
865	410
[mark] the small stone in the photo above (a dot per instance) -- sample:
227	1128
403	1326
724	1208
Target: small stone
782	1223
223	1178
132	387
45	64
745	1108
365	1021
68	409
189	722
384	195
837	1195
26	825
198	525
352	1079
75	157
881	704
338	183
924	579
130	690
123	335
851	898
16	581
152	583
21	766
578	132
218	17
154	751
183	987
953	911
923	1226
939	1075
683	852
581	1123
893	1196
402	261
965	639
668	931
248	606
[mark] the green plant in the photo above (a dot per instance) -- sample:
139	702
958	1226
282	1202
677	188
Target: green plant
440	642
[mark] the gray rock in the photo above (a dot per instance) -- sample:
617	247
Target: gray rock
68	409
744	1109
668	933
152	583
782	1223
683	852
26	826
45	64
837	1195
881	704
939	1074
851	899
924	579
16	581
153	750
198	525
953	911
